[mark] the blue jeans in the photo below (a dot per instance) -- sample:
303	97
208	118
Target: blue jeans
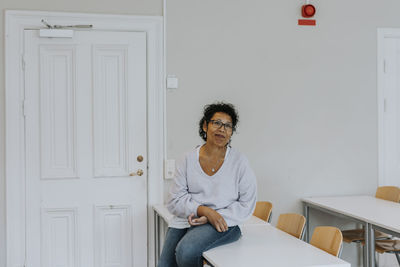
184	247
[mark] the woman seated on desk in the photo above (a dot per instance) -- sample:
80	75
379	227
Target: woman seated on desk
214	191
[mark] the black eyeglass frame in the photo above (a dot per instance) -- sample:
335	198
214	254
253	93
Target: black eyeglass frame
218	124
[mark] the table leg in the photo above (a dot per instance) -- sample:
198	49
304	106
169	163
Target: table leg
307	226
371	246
156	237
366	248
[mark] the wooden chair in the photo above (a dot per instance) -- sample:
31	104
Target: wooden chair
263	210
327	238
388	246
292	224
390	193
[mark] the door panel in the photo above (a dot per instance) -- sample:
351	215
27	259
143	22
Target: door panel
59	237
110	111
112	248
391	117
57	113
85	126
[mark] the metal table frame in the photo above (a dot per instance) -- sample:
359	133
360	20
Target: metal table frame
157	242
369	234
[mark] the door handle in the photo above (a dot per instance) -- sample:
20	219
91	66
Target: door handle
138	173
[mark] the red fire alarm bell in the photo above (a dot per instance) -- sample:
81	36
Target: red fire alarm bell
307	11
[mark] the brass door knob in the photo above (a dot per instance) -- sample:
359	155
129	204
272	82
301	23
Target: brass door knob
139	158
138	173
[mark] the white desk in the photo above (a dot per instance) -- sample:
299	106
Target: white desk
265	245
261	239
161	212
372	212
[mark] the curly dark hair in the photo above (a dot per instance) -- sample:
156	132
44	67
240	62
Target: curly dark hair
211	109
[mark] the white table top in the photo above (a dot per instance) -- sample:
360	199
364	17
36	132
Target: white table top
265	245
167	216
383	213
163	212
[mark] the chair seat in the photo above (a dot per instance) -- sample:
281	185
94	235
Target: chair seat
263	210
327	238
383	246
357	235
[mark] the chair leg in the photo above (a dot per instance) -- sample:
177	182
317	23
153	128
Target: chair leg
397	257
340	251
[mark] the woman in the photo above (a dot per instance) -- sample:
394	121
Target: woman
214	191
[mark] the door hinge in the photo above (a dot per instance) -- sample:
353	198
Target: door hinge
384	105
23	62
24	107
384	66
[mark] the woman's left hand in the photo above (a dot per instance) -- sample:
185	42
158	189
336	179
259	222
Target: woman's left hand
197	221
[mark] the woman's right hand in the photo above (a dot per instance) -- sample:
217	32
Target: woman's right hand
197	221
213	217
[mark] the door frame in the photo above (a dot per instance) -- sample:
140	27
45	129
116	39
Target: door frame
16	21
382	33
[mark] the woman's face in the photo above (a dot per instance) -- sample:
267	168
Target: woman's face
219	129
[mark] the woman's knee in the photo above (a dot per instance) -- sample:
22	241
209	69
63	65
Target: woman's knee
188	254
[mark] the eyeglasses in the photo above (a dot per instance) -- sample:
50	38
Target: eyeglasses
218	124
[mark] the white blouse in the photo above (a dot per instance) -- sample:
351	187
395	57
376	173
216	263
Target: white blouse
231	191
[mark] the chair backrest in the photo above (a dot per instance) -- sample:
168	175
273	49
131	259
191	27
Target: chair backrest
263	210
391	193
327	238
291	223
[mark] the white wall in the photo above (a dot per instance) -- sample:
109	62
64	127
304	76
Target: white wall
306	95
136	7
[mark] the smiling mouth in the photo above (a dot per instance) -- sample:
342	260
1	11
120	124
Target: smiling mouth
220	136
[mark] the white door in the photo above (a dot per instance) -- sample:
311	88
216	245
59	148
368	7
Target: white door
85	129
390	115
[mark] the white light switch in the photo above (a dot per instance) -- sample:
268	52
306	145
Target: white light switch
169	169
172	82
